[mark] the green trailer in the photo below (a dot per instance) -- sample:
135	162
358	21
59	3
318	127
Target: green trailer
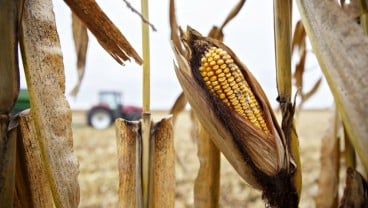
22	102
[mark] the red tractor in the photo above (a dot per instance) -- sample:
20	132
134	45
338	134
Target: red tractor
109	108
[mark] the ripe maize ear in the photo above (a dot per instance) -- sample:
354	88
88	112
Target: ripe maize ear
224	79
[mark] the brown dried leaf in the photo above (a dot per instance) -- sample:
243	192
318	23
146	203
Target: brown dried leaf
80	37
299	71
174	28
108	35
356	190
217	32
232	14
306	96
299	37
178	107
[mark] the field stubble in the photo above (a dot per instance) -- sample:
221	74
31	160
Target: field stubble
98	179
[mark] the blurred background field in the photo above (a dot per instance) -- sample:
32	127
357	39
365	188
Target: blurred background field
96	151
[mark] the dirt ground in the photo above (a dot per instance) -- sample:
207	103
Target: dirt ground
96	151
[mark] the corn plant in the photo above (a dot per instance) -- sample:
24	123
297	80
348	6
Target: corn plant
46	170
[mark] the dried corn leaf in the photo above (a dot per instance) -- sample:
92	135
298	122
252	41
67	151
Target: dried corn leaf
108	35
299	70
342	50
312	91
299	43
80	37
217	32
232	13
43	65
299	37
178	107
174	27
356	190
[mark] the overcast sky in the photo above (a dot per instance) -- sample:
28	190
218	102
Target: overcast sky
250	35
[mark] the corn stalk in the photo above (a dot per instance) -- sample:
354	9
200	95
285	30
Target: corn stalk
32	186
43	65
283	28
9	89
342	50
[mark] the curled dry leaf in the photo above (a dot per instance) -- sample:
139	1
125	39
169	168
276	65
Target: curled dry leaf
108	35
356	190
178	106
80	37
257	151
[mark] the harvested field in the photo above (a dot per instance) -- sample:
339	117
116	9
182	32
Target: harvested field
96	151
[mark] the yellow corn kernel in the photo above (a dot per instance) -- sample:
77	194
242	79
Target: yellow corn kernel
224	79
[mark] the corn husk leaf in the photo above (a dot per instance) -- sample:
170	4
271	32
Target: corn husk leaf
43	65
108	35
341	49
80	37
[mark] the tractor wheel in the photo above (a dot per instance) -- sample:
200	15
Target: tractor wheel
100	118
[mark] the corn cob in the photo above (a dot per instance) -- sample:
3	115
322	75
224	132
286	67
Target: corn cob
225	80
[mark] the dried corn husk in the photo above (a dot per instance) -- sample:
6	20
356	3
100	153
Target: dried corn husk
261	160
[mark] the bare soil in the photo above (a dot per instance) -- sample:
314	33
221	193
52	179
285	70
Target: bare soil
96	151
